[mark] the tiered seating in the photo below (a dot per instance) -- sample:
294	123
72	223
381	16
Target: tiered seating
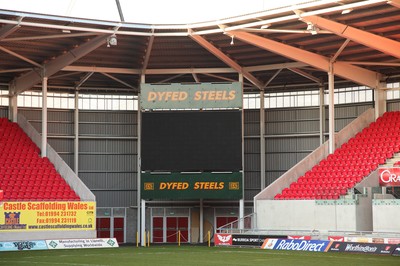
24	175
349	164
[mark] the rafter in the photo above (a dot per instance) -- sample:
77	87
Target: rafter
379	43
305	74
7	30
272	78
342	69
226	59
20	57
31	78
148	52
119	80
395	3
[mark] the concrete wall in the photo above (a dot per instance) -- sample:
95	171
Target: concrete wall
386	215
329	215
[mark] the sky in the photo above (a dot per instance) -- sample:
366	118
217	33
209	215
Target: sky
147	11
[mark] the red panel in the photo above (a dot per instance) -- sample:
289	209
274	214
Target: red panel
103	234
157	236
119	235
158	222
184	236
183	222
172	236
103	223
221	221
119	223
171	222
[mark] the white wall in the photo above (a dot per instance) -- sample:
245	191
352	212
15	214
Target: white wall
330	215
386	215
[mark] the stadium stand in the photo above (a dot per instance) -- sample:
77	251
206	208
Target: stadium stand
350	163
24	175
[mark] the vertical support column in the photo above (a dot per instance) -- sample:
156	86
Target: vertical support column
380	100
331	85
13	108
44	117
141	222
76	131
321	115
241	202
201	222
262	139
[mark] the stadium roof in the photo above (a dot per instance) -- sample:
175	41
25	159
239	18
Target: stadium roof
278	49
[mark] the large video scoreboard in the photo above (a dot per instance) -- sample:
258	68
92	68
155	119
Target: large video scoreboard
191	154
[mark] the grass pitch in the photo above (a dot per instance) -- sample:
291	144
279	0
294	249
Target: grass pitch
189	255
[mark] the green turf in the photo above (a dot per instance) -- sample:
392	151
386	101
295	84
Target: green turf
189	255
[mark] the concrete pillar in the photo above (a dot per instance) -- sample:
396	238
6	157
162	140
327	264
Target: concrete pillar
321	115
262	140
380	100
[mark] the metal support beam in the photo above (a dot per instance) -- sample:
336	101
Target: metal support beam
196	78
20	57
241	201
340	50
171	71
31	78
272	78
44	116
201	222
395	3
226	59
148	52
321	115
262	140
76	131
385	45
7	30
342	69
305	74
143	222
119	81
141	218
331	85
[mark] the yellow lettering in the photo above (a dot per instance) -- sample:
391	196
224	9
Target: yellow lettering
232	95
152	96
197	96
183	95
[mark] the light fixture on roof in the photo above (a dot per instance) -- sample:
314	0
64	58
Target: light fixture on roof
112	40
312	28
347	11
266	26
233	36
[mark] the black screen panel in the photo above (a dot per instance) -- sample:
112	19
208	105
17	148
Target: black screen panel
191	141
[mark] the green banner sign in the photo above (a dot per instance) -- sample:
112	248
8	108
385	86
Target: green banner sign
191	185
191	96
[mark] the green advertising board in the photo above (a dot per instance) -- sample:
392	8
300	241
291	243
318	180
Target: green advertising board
203	185
191	96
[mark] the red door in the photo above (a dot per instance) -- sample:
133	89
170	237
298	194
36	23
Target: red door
103	227
158	229
221	221
176	224
119	229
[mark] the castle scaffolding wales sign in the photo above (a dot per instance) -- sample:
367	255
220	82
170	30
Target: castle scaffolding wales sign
191	96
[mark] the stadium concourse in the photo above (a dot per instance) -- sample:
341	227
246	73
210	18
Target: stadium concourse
282	122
